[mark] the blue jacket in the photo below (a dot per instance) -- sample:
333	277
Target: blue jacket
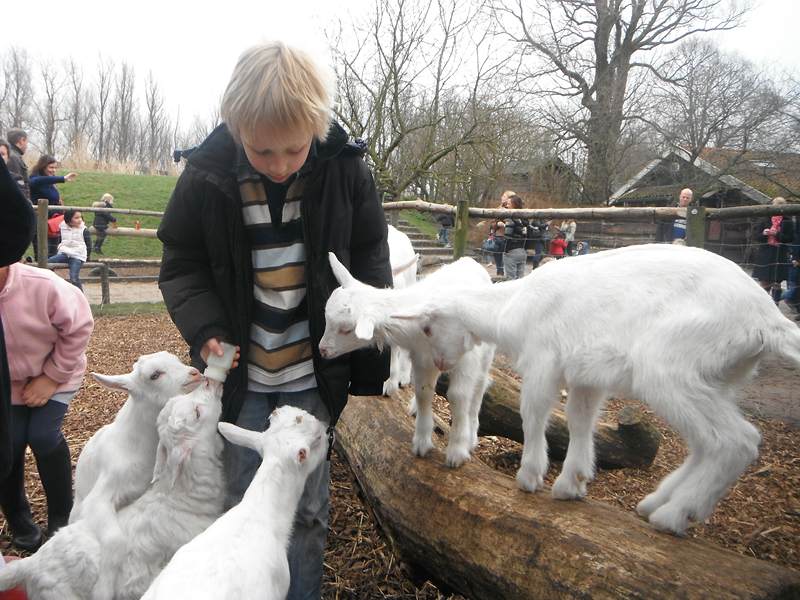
43	186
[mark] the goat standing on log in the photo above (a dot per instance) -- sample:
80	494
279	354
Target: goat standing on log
679	328
358	315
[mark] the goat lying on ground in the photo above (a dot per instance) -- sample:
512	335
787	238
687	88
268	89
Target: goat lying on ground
358	315
679	328
116	464
186	497
404	274
243	554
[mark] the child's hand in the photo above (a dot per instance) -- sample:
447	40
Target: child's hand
212	345
38	391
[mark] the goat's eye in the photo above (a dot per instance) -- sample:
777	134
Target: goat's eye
197	412
156	375
345	331
427	330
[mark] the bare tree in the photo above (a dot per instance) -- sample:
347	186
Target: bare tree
586	52
103	87
48	107
156	126
124	124
418	87
18	89
79	111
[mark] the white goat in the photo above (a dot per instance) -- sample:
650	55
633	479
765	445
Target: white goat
116	464
404	274
358	315
679	328
186	497
243	554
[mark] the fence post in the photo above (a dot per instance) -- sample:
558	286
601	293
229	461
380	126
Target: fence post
41	231
461	229
105	291
696	226
394	218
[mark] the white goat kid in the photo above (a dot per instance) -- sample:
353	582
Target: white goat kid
403	260
116	464
243	554
679	328
358	315
186	496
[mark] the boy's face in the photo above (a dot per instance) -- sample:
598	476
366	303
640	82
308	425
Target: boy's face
277	152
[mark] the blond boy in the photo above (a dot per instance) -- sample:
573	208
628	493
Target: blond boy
246	234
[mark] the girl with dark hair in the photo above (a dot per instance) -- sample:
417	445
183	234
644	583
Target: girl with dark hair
73	248
43	180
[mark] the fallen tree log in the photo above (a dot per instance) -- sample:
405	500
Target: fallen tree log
474	532
633	442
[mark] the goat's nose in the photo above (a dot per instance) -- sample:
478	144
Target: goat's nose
323	351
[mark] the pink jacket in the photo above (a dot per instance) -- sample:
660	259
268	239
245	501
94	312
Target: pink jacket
47	323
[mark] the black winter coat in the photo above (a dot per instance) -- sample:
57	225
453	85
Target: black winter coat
206	273
772	262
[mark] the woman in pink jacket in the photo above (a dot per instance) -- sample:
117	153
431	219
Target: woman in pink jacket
47	323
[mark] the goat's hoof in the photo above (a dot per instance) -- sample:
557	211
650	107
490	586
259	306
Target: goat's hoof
421	448
568	488
456	458
411	409
389	388
648	505
670	519
528	482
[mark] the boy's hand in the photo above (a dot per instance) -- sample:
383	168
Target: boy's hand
212	345
38	391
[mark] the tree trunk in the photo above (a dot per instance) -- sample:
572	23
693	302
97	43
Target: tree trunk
473	531
632	443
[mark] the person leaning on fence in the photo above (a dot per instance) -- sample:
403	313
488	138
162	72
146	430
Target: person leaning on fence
43	182
516	232
246	236
569	227
46	343
74	247
558	244
102	220
497	236
18	145
773	236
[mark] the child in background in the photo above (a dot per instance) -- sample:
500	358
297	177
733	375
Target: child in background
46	342
102	221
558	245
73	249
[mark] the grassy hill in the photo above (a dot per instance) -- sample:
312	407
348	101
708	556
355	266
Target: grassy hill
145	192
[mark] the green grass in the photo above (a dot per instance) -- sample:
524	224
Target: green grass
422	221
120	309
144	192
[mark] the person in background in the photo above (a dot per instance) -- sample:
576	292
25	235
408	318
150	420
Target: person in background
4	150
46	343
558	245
43	182
516	233
568	226
497	233
679	224
446	222
16	231
102	221
246	236
18	145
74	247
773	234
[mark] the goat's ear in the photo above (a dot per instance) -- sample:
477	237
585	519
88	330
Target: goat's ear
176	458
161	461
340	271
241	437
122	383
365	328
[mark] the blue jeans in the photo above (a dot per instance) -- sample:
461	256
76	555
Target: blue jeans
75	265
307	546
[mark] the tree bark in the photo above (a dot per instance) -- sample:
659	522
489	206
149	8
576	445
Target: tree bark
633	442
474	532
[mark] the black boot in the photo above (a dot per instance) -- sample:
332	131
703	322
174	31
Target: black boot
25	534
55	470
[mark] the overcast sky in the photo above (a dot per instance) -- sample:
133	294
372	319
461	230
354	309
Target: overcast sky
191	47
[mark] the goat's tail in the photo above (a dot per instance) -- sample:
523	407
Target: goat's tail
14	573
787	343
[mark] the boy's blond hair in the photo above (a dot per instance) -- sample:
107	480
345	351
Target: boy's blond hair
277	85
